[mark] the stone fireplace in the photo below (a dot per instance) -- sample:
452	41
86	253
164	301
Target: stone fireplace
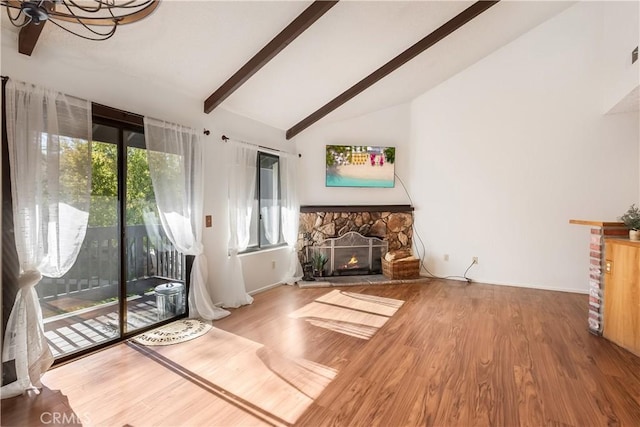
391	223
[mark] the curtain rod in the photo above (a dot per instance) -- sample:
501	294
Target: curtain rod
205	131
225	138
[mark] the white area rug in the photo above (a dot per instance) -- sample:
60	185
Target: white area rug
174	333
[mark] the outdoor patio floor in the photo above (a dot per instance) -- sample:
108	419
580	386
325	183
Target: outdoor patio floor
72	332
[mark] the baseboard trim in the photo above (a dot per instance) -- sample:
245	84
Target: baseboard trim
527	286
265	288
473	281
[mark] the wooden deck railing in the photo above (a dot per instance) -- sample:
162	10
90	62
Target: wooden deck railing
97	267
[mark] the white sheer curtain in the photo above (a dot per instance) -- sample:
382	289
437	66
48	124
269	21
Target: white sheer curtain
51	199
290	211
176	166
241	160
271	220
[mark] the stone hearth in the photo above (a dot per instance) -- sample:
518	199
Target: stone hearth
339	281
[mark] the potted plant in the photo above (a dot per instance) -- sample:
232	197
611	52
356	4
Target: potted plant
318	260
631	220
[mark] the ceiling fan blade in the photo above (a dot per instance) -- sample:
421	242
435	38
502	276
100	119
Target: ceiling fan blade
29	34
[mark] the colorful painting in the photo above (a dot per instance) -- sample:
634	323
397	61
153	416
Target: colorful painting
360	166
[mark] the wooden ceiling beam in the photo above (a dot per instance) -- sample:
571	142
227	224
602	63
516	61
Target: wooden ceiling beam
449	27
29	34
267	53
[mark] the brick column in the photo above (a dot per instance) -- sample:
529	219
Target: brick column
596	269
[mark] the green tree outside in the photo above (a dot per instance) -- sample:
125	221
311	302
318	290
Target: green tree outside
104	180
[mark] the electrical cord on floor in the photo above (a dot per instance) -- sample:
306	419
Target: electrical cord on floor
424	249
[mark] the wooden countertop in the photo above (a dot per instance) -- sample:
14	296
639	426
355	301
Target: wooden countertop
596	223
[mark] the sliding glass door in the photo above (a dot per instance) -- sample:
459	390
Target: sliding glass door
128	276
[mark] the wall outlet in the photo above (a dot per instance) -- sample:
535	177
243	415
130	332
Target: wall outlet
273	265
446	257
474	260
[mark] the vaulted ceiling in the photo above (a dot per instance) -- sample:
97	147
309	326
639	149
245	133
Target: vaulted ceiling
195	46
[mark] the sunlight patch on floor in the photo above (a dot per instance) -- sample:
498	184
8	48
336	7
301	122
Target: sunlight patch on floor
241	381
349	313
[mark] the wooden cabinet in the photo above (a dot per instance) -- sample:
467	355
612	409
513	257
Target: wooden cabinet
622	294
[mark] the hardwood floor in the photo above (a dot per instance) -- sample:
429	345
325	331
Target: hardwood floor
452	354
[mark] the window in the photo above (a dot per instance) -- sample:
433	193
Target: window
265	227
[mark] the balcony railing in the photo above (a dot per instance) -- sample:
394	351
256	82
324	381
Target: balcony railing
97	269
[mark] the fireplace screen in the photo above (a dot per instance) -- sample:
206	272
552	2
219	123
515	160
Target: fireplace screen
351	254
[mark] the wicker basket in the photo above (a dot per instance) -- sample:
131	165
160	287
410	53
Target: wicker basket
401	269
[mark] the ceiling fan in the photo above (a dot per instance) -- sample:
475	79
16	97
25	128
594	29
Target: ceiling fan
86	15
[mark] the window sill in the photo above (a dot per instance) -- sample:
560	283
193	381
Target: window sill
250	251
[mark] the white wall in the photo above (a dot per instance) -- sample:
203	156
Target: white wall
505	153
110	87
388	127
621	30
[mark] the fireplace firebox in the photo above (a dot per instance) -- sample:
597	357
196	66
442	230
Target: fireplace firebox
351	254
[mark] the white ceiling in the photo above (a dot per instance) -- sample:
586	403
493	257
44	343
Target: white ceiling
195	46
